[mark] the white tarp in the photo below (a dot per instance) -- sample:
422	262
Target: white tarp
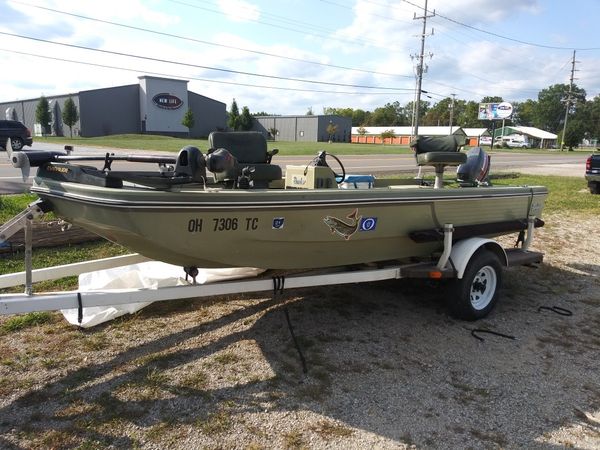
146	275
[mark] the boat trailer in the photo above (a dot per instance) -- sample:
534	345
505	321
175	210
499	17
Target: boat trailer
460	261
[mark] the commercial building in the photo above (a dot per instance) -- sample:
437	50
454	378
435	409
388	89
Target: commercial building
304	128
154	106
536	137
401	135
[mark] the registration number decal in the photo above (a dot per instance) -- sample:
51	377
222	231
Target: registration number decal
219	224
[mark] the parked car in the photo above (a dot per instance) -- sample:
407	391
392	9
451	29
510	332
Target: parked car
18	133
592	173
514	141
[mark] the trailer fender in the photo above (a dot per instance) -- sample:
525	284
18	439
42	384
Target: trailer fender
463	251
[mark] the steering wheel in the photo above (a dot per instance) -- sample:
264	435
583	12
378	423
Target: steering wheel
320	161
339	179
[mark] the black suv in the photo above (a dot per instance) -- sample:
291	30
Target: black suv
18	133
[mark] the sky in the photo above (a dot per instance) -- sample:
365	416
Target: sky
286	57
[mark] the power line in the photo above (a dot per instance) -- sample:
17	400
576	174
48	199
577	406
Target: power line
162	74
198	66
201	41
301	31
519	41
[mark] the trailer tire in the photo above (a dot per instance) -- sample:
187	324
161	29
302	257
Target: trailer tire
594	187
476	293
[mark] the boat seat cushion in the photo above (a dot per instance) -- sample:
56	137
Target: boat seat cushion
425	144
246	146
250	150
441	158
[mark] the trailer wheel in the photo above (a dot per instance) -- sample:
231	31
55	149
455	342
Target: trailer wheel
594	187
476	293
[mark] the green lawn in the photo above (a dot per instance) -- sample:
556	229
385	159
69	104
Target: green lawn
567	194
170	144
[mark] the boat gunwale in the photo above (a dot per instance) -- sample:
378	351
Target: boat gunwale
524	191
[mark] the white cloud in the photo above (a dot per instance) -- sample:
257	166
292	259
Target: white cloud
239	10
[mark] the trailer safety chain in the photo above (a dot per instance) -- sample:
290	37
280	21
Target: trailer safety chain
475	332
79	309
520	238
278	284
557	310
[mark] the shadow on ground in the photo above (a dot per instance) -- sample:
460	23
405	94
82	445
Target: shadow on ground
386	367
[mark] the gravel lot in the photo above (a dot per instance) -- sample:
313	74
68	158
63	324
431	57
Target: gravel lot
387	367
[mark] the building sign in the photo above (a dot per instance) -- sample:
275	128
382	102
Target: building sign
167	101
494	111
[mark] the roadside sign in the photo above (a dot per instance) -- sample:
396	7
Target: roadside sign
494	111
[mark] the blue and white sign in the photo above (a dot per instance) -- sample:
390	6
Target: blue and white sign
278	223
368	224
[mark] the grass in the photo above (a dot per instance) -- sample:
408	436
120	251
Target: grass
171	144
11	205
48	257
567	194
23	321
286	148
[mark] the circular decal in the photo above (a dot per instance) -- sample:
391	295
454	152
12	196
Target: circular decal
368	224
504	110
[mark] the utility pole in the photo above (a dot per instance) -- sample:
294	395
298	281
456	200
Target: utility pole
568	101
451	112
419	74
420	65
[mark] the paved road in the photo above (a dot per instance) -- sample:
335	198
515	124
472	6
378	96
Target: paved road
565	163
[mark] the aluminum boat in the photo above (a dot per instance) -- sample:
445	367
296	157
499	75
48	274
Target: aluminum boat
233	207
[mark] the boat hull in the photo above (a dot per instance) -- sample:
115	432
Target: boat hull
283	229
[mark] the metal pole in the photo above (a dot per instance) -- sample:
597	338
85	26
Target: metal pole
28	254
562	141
415	129
420	72
451	112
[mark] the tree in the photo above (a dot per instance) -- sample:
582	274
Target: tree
391	114
438	114
234	116
331	130
469	117
309	112
360	117
273	132
524	113
70	115
245	120
188	120
42	114
409	108
362	131
387	134
550	113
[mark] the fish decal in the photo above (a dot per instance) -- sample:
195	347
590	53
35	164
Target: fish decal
344	228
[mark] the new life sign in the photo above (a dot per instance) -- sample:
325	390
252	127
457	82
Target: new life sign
167	101
494	111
